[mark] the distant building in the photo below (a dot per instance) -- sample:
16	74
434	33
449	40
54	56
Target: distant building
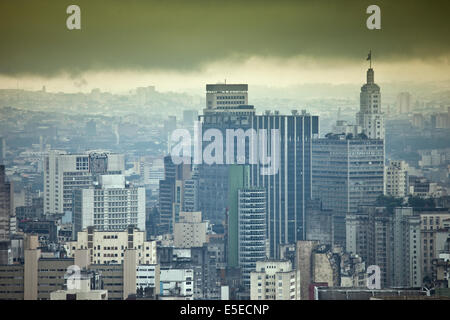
64	173
274	280
110	205
108	247
6	202
369	235
404	102
338	293
252	230
370	117
396	179
407	249
435	231
171	193
84	290
190	230
346	173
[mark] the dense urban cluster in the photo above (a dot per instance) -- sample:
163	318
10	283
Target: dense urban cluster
92	205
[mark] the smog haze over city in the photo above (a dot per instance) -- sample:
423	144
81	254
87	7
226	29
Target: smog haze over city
199	150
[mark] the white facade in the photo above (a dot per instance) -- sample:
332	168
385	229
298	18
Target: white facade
112	205
274	280
109	246
396	179
370	117
177	283
252	230
148	276
64	173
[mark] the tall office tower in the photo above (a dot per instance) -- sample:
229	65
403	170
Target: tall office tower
370	117
6	203
110	205
239	178
347	173
252	230
407	248
275	280
2	150
171	193
226	108
190	230
396	179
289	189
6	213
64	173
404	102
369	235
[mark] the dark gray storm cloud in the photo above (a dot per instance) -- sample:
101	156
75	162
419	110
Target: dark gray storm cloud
184	35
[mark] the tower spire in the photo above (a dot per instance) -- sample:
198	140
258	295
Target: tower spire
369	57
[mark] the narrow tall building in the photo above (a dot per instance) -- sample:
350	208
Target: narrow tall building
5	204
252	230
370	117
290	187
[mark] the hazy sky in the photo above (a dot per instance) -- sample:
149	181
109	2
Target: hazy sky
184	44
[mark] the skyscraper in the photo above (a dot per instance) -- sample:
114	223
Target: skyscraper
347	173
5	205
370	117
289	189
251	231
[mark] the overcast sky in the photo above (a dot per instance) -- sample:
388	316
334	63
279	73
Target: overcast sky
179	45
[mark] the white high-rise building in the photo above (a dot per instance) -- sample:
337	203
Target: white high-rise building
396	179
274	280
111	205
370	117
252	230
64	173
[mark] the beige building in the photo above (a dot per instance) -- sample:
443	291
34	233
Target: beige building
274	280
108	247
396	179
304	264
434	231
190	231
44	278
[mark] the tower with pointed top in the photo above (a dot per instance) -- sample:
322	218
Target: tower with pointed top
370	117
